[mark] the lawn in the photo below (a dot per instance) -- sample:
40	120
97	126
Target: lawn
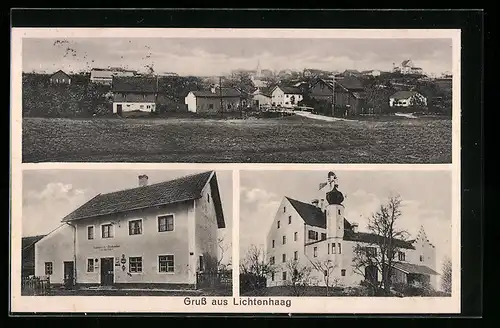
280	140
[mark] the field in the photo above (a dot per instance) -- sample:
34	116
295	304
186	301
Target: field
280	140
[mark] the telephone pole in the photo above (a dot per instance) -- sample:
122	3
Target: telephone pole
333	95
220	93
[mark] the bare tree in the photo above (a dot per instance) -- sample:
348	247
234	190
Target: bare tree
326	269
223	248
446	277
379	256
255	267
298	277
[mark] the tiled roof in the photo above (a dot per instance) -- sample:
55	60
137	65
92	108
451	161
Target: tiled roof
134	84
28	241
414	268
313	216
226	93
163	193
348	82
404	94
60	71
290	90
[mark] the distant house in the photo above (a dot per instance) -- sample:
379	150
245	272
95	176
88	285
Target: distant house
262	97
407	99
134	94
351	72
284	96
28	255
349	94
60	77
373	72
407	67
105	75
213	101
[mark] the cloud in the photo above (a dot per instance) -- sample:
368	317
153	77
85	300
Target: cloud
256	195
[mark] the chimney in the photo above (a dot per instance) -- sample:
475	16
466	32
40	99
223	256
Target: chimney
354	226
315	202
143	180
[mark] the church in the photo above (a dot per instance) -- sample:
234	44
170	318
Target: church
317	235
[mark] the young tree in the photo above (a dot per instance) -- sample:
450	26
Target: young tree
326	269
446	277
224	247
255	267
298	277
379	256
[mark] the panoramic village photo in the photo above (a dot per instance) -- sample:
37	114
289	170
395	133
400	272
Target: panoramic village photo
345	233
236	100
126	233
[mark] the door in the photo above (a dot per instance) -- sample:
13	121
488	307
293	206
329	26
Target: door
69	274
119	109
107	273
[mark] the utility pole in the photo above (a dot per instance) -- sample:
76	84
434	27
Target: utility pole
220	93
333	95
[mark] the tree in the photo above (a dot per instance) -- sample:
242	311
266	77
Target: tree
379	256
223	248
255	268
446	276
298	277
326	269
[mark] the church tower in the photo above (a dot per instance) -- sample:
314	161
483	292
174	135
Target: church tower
258	71
334	210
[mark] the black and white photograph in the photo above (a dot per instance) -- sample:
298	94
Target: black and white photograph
230	99
346	233
126	233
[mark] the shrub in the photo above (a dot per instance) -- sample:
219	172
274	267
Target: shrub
251	282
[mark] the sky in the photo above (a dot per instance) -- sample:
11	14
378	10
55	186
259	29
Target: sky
49	195
209	57
426	197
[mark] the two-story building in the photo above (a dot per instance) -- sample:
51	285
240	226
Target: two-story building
318	236
213	101
134	94
349	94
286	96
161	235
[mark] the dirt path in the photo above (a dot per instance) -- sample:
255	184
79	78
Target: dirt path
321	117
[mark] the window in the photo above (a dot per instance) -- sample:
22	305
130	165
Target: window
371	251
90	232
272	276
165	263
135	264
342	272
401	256
289	219
90	265
48	268
283	258
148	106
141	106
296	255
295	235
208	198
271	260
284	209
228	106
210	106
323	236
340	248
135	227
284	240
165	223
273	243
201	263
107	230
334	249
338	211
421	258
284	275
278	224
315	252
313	235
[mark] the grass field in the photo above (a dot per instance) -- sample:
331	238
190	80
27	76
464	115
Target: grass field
281	140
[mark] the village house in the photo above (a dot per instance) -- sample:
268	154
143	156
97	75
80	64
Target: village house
285	96
159	235
372	72
262	97
349	94
318	235
351	72
213	101
407	99
407	67
28	255
60	77
105	75
132	94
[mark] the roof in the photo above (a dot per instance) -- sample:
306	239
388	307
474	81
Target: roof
169	192
405	62
226	93
60	71
289	90
134	84
404	94
414	268
313	216
31	240
348	82
351	71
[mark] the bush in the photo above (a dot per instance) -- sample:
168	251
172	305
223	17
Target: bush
251	282
414	289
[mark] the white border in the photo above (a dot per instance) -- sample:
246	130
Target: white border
176	304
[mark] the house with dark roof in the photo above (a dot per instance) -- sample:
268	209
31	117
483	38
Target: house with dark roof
160	235
28	255
60	77
318	232
286	96
262	97
134	94
349	94
213	101
407	99
105	75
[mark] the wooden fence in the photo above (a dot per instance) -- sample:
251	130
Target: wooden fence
33	286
